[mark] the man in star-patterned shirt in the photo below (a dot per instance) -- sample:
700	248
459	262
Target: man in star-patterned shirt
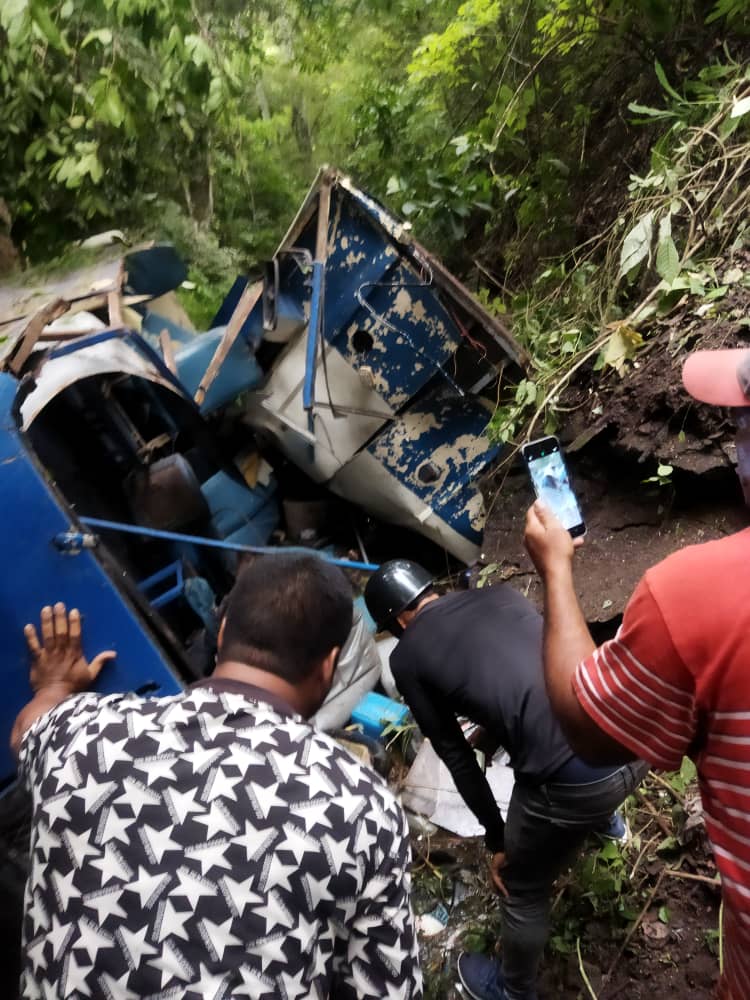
212	844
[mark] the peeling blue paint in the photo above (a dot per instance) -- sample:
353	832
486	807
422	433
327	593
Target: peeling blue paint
397	319
443	437
403	315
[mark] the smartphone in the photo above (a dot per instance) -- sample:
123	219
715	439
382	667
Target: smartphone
551	482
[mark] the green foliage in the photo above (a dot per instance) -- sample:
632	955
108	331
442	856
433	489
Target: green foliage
91	94
598	887
712	940
112	109
477	939
636	246
486	123
688	204
448	53
663	476
211	267
553	321
733	10
399	735
681	780
602	876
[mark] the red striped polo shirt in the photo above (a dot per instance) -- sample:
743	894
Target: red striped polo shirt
675	680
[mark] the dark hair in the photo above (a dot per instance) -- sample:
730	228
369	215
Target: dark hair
285	613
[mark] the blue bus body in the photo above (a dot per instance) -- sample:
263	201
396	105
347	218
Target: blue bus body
362	362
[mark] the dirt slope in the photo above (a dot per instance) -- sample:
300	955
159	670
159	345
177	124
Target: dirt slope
618	429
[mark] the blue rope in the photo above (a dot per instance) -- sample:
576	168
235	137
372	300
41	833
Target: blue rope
215	543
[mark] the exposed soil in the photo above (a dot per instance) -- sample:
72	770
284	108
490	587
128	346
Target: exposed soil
630	526
618	431
647	943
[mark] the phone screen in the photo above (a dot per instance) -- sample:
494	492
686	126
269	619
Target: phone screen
552	484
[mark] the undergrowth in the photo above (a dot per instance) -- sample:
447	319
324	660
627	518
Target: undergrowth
673	241
614	901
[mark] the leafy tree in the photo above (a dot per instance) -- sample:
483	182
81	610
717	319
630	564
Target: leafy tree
486	122
110	107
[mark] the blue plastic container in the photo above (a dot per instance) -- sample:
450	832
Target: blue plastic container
375	712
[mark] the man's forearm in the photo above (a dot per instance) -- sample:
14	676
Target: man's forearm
567	641
473	787
44	701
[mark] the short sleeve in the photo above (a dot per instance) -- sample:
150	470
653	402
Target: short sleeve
637	688
37	742
382	957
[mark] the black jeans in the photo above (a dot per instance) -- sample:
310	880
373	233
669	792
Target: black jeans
547	825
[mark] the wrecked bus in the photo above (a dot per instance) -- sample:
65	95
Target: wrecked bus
139	459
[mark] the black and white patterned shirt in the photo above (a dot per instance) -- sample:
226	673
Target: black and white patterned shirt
210	845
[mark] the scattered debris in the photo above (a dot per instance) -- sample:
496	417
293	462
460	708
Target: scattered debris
435	922
625	922
431	791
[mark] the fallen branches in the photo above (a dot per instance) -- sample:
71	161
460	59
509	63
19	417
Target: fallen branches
688	208
715	882
669	787
658	818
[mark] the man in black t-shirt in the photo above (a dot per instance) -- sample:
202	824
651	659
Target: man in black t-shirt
478	654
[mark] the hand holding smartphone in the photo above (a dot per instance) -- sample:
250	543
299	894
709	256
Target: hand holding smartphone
549	477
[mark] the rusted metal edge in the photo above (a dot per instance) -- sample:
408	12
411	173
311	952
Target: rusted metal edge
450	284
308	208
400	233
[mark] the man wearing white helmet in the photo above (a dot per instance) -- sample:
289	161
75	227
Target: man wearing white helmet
675	680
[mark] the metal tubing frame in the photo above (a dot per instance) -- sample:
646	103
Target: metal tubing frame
215	543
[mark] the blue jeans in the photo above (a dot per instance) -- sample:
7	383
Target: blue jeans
547	825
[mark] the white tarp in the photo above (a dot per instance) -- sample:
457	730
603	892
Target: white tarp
431	792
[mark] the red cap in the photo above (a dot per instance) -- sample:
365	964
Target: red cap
719	377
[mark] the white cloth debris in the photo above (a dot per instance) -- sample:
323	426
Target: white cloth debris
431	792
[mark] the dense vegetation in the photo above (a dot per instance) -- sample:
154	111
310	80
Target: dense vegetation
581	160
